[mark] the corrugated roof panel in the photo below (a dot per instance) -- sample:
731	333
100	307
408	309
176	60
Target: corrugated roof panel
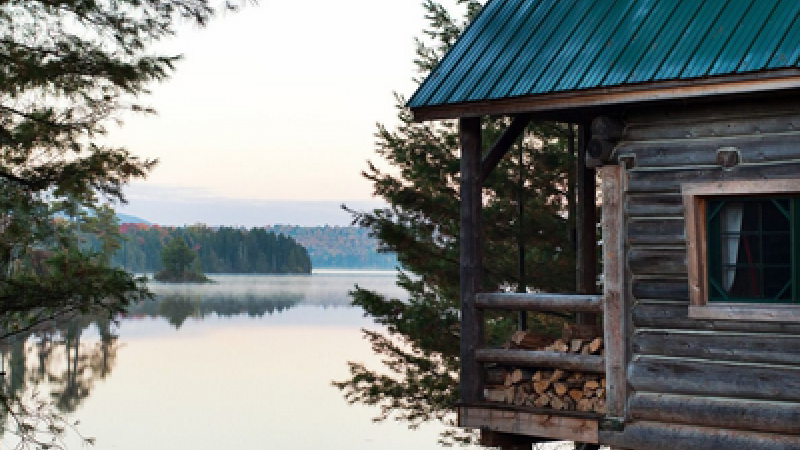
794	59
768	38
717	38
532	47
515	54
738	46
665	42
785	54
544	59
473	53
585	62
482	57
698	30
443	72
499	57
642	43
625	33
527	47
562	61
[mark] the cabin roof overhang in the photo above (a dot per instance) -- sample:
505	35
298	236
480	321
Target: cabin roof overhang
560	57
575	106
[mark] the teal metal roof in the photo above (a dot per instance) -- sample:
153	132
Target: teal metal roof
517	48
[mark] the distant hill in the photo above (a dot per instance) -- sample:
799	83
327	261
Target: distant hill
339	247
127	218
329	247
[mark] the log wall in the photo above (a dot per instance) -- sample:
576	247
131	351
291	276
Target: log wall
692	383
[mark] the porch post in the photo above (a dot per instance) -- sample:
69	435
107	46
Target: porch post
471	383
586	225
614	310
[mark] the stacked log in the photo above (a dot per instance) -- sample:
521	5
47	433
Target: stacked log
549	388
528	340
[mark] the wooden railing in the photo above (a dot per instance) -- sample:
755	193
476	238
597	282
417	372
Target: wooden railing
541	358
540	302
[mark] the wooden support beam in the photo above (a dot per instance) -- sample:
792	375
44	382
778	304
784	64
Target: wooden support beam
471	383
500	148
614	311
552	426
540	358
540	302
586	225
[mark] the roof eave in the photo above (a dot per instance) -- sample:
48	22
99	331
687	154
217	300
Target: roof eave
561	104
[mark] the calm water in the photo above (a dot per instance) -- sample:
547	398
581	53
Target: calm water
245	363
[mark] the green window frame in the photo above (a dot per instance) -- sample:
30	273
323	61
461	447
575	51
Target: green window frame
753	249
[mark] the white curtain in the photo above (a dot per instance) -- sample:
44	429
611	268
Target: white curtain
731	220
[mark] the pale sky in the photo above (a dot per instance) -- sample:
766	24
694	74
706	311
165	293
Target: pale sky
276	102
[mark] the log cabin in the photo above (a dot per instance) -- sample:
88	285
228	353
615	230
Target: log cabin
688	113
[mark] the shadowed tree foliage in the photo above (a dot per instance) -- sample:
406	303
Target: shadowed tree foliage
68	68
177	259
177	256
421	345
219	249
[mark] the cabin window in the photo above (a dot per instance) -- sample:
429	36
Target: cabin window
743	242
751	249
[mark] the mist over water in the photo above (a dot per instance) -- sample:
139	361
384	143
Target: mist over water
242	363
323	287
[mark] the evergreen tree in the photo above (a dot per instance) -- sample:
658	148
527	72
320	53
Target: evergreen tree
177	256
224	250
68	67
177	259
421	345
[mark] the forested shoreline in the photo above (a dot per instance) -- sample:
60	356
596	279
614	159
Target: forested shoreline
219	250
339	247
328	247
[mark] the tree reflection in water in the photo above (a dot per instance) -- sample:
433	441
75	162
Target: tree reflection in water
176	308
65	368
58	359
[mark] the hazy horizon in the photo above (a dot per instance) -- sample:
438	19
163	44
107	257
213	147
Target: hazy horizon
172	206
261	110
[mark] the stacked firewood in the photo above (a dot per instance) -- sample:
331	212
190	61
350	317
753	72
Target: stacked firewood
549	388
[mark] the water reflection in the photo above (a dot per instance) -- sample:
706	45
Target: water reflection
65	360
59	357
176	308
56	357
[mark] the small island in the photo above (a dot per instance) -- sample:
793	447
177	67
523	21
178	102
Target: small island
179	265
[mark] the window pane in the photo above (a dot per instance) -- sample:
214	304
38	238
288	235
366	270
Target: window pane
750	256
749	249
777	249
773	219
775	279
746	283
749	223
730	245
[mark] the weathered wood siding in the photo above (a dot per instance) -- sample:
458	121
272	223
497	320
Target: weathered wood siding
701	383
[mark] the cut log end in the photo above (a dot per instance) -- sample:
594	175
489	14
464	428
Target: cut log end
554	389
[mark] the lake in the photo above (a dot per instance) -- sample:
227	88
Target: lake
245	363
